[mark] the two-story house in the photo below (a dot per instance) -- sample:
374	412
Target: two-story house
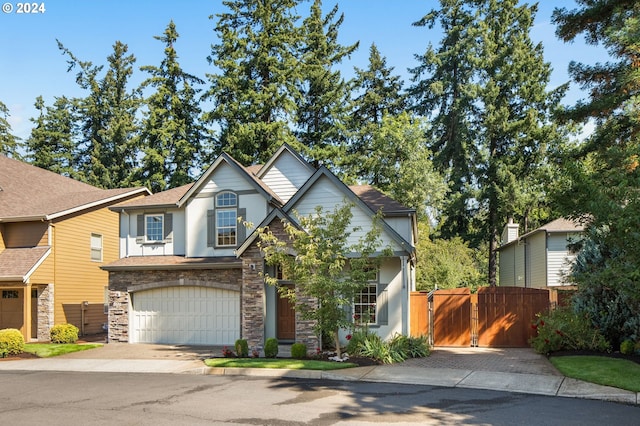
55	233
540	258
190	273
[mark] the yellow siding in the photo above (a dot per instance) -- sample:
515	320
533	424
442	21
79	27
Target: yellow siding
26	234
45	272
77	277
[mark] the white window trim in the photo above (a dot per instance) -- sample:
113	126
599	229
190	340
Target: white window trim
146	229
226	208
373	282
95	248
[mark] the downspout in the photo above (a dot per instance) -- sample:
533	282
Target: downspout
405	297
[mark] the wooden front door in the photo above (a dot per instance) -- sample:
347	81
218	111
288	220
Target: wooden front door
11	306
286	314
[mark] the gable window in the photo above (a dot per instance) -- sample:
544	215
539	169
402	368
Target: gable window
96	247
154	227
223	229
226	219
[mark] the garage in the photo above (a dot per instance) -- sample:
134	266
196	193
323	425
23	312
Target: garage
185	315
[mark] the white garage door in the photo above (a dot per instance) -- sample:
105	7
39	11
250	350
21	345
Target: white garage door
185	315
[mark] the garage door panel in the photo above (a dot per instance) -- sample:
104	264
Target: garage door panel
185	315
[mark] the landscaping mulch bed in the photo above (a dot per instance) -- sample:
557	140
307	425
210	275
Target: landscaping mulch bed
23	355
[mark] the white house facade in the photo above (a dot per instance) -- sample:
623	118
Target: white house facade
540	258
190	272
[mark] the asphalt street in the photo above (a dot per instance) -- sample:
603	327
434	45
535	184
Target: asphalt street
80	398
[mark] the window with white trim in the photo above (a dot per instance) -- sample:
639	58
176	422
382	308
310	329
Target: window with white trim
366	302
154	227
96	247
226	219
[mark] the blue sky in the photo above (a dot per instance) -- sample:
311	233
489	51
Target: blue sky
32	65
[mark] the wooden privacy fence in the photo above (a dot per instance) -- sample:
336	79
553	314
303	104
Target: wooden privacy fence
493	317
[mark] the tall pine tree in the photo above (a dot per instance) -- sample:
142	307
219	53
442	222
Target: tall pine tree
254	93
51	145
377	93
514	126
9	143
106	149
444	91
172	136
322	108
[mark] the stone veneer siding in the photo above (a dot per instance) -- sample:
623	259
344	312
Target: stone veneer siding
122	282
45	312
253	297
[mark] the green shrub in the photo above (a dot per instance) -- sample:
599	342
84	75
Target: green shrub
564	329
11	342
299	351
355	342
627	347
271	347
418	347
242	348
64	333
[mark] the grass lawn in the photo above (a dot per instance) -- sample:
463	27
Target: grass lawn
619	373
46	350
293	364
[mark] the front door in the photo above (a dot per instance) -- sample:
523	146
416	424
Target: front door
11	305
286	329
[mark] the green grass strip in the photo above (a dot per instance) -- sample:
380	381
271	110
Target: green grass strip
618	373
292	364
46	350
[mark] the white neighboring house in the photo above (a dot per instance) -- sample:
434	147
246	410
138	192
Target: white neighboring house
540	258
189	274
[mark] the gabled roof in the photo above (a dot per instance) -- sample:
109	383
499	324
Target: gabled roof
31	193
351	196
560	225
252	179
17	264
275	213
163	199
283	148
376	200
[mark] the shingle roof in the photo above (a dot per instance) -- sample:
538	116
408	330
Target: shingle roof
29	191
17	262
562	225
173	262
376	200
170	197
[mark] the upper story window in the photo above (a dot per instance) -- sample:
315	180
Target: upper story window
154	227
226	219
96	247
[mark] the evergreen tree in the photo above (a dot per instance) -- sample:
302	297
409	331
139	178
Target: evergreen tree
322	111
171	136
444	90
604	172
52	141
9	143
106	147
514	124
255	91
378	93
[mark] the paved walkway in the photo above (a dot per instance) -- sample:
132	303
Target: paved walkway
511	370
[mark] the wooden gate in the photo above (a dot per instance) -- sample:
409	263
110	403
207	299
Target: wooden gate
451	317
505	315
493	317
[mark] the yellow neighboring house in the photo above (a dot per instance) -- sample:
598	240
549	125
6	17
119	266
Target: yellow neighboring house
55	233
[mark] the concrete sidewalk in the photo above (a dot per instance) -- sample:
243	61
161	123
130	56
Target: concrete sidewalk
509	370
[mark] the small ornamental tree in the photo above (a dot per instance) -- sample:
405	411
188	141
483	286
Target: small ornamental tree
327	268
